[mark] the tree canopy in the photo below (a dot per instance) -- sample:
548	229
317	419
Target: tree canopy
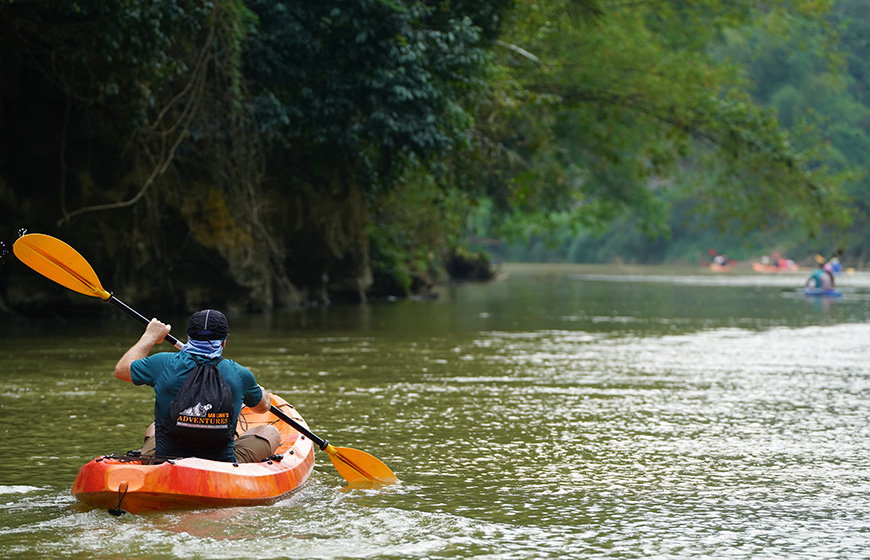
637	103
793	178
294	152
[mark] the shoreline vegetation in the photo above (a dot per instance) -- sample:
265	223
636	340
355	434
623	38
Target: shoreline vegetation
262	155
36	297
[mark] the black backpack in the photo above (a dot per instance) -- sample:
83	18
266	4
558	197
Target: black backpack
200	414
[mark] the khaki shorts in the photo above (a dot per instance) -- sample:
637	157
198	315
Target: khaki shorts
250	448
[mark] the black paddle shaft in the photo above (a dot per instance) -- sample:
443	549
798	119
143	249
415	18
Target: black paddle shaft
139	317
321	443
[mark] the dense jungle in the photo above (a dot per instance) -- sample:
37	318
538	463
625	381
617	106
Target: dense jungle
260	154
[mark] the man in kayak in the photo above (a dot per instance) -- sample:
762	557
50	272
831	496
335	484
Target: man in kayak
822	278
166	372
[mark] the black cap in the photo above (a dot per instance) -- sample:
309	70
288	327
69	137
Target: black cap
208	324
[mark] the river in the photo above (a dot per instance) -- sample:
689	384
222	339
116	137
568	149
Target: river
560	412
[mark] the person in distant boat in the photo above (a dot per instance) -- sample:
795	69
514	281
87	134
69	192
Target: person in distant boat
822	278
167	372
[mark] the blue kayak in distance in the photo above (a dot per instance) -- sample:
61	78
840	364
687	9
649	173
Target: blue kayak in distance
818	292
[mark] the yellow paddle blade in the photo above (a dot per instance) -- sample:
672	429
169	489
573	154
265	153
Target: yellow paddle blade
358	466
57	261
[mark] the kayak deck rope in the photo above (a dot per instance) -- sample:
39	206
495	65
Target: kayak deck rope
243	419
117	512
135	456
285	405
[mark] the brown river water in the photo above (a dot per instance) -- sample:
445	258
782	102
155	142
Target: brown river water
560	412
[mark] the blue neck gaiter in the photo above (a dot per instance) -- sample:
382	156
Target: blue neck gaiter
207	348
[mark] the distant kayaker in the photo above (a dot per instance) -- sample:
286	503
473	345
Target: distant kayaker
167	372
822	278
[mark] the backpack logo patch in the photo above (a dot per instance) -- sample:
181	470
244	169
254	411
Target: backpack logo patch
199	415
198	410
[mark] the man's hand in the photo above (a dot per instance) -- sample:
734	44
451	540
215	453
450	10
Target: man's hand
154	333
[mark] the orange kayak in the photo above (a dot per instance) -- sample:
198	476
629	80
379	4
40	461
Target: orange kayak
770	269
122	482
716	267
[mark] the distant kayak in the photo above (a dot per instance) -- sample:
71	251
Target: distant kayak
787	266
818	292
716	267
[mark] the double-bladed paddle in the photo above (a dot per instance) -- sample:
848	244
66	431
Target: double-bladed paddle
57	261
822	260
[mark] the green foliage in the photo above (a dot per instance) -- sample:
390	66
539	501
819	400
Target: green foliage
107	51
853	23
811	81
372	84
304	120
412	230
637	110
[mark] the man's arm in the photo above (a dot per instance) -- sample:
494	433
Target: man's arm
265	403
154	333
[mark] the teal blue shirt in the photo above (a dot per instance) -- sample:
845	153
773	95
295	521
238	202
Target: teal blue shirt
166	372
